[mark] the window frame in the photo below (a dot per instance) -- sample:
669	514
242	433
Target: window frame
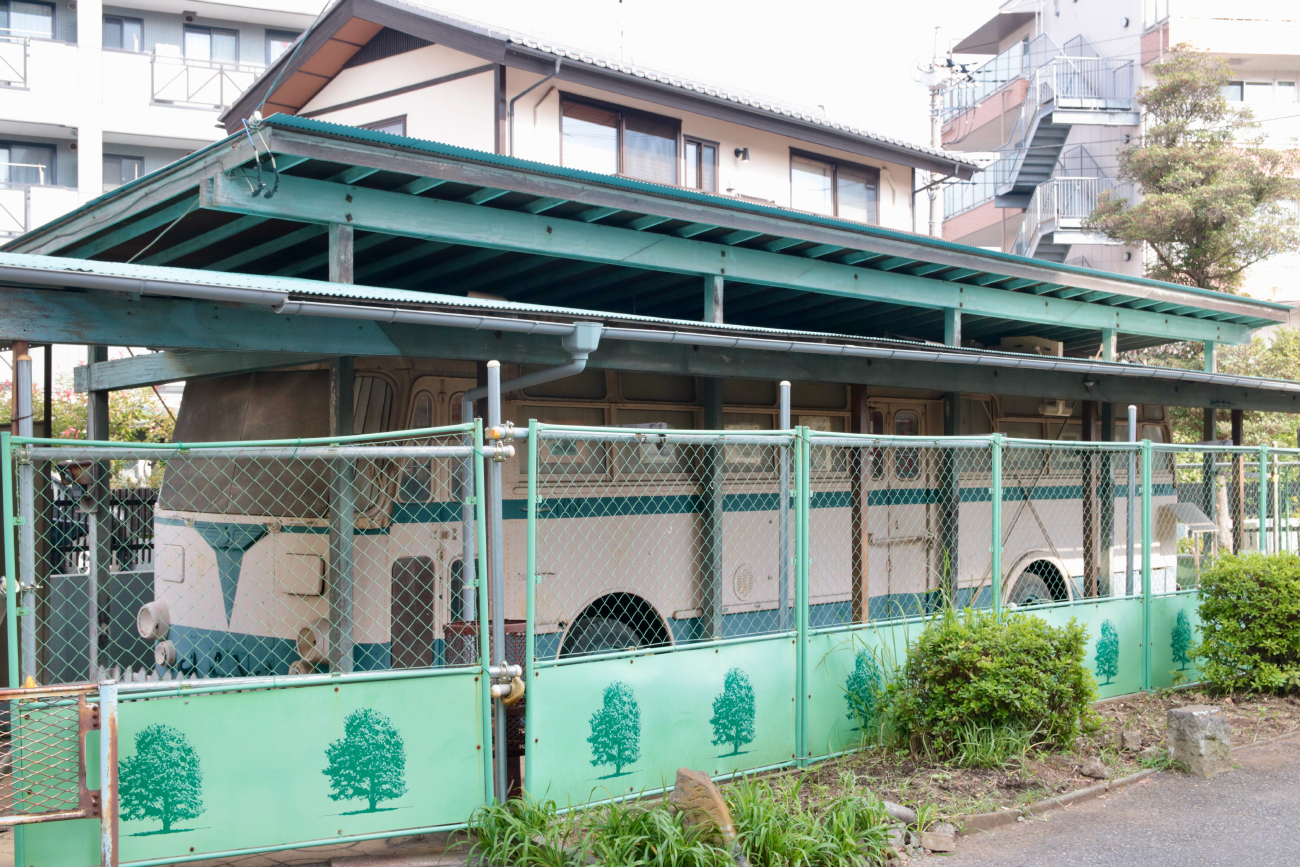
717	160
122	19
210	30
622	112
266	41
8	144
8	31
112	156
836	164
375	125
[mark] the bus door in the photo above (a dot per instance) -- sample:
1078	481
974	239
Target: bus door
901	513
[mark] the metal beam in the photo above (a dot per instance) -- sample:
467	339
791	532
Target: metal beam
55	316
395	214
156	368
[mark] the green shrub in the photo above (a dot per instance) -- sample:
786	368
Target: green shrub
1250	622
840	826
1009	672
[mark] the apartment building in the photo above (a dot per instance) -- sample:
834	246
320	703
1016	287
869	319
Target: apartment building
94	95
1051	91
403	68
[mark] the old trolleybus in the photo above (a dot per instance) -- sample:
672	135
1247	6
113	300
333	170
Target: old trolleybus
224	578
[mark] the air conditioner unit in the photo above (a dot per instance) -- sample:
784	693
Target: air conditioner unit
1033	346
1054	409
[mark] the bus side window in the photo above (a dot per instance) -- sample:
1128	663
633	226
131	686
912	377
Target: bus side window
456	603
372	401
417	476
907	461
877	455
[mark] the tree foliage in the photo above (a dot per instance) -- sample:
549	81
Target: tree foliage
733	711
1250	608
1214	197
136	415
162	780
616	729
368	762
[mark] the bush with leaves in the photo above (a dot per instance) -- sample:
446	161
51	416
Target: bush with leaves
1250	622
1010	671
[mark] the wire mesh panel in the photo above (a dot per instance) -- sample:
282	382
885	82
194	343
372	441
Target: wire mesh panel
657	538
897	526
244	560
42	757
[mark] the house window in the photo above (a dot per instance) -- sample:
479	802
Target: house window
701	165
833	188
119	170
26	164
1231	91
211	43
1259	91
27	19
394	125
614	141
277	43
1285	91
124	34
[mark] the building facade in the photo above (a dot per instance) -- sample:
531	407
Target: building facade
93	95
1053	97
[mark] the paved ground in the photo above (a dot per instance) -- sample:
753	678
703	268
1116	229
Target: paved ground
1248	817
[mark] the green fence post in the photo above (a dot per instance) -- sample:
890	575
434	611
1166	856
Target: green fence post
803	504
1263	499
530	655
995	519
11	561
480	578
1147	453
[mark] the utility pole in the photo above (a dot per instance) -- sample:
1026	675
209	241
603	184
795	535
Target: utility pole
936	77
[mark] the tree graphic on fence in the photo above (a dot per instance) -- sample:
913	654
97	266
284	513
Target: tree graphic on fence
162	780
1108	652
616	729
1180	641
368	762
733	712
862	688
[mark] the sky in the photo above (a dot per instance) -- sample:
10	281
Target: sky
858	59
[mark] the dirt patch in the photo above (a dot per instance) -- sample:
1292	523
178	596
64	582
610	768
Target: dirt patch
1252	718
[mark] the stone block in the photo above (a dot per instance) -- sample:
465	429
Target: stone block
1200	739
701	804
1095	769
1130	741
940	838
899	813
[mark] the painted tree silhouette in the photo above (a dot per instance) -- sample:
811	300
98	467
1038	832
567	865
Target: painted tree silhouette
862	688
1180	641
162	780
1108	652
616	729
733	712
369	761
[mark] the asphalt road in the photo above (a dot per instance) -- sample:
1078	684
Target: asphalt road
1247	817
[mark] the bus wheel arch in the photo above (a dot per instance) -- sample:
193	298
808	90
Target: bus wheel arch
1037	578
617	620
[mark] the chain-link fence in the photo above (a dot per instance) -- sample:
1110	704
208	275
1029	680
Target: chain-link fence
42	757
644	538
247	559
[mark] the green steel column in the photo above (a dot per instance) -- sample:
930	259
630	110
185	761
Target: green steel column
530	655
1147	452
480	578
11	562
1263	499
995	519
801	597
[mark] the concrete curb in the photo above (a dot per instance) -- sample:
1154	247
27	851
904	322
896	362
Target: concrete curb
989	821
1266	741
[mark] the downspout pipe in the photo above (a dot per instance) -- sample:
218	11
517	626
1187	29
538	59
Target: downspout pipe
519	96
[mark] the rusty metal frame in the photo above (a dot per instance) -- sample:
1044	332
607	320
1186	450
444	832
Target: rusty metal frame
88	721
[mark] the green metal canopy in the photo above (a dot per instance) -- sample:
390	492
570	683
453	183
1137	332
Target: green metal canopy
432	217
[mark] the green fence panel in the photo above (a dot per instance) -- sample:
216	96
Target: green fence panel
223	772
1175	631
608	728
845	670
1114	651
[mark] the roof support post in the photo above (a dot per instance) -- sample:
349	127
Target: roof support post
950	492
859	480
1211	362
1092	505
711	477
713	289
341	259
952	326
342	508
1237	489
1106	499
99	529
1108	344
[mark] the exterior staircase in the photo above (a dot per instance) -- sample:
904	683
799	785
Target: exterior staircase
1056	213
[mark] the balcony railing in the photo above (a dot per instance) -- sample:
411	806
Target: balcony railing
1063	204
1018	61
26	205
14	51
191	83
962	197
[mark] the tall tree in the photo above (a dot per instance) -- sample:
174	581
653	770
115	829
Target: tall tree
1107	657
733	712
1215	198
369	761
616	729
162	780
